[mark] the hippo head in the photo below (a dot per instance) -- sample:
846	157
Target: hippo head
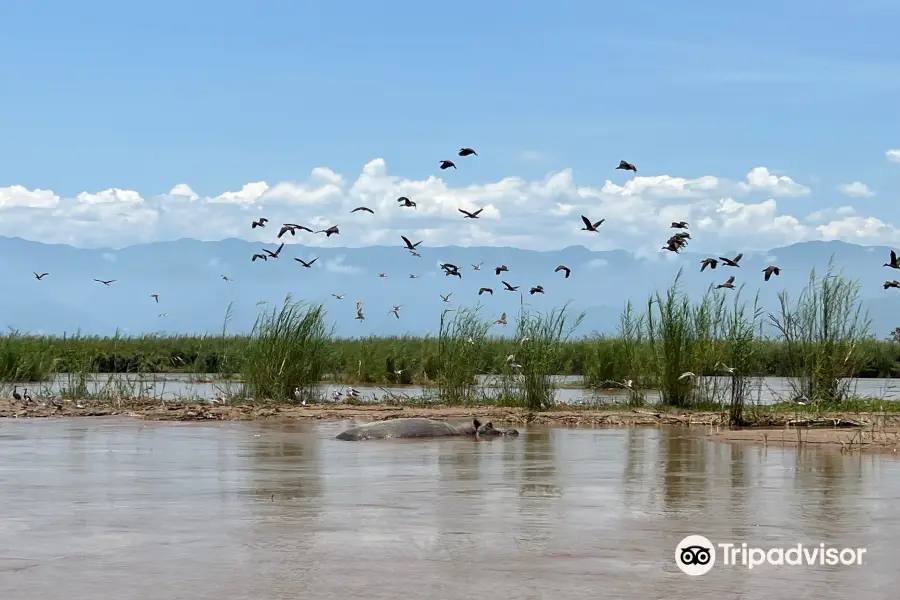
488	430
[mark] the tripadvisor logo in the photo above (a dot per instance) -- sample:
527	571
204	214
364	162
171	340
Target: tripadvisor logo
696	555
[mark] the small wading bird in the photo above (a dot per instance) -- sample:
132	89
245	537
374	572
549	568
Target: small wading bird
155	297
588	226
309	264
708	262
292	228
409	245
396	311
406	202
333	230
509	288
501	269
339	296
731	262
470	215
446	164
446	298
771	270
260	223
477	267
106	283
41	276
891	284
467	152
894	264
626	166
728	284
486	289
363	209
538	289
679	225
501	320
563	268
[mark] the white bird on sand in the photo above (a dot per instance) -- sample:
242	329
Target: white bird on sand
686	375
724	367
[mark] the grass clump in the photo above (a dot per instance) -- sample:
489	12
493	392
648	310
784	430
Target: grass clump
288	353
460	342
823	335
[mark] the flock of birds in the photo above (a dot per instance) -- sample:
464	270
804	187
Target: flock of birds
675	243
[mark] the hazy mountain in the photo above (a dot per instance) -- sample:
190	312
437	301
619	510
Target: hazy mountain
187	276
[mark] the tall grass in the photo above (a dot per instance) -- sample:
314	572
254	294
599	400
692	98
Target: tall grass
460	346
823	333
288	353
534	356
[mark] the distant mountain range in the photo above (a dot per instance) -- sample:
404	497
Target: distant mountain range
187	275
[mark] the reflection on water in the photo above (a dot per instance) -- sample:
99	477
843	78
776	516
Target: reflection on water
111	508
173	387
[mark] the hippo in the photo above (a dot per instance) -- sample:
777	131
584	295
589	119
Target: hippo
420	428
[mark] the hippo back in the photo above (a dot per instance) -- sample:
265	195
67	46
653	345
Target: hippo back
404	428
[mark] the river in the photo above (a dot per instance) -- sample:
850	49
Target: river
112	508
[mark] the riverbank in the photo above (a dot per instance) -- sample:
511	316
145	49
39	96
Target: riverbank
842	431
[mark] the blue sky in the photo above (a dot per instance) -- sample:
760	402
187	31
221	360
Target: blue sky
215	95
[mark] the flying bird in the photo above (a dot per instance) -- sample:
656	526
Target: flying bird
510	288
260	223
382	275
396	311
106	283
155	297
446	164
538	289
731	262
470	215
406	202
309	264
339	296
292	227
333	230
163	315
771	270
892	284
41	276
501	269
467	152
708	262
588	226
411	276
894	264
501	320
728	284
409	244
563	268
478	266
679	225
359	311
626	166
276	252
446	298
257	255
486	289
364	209
226	277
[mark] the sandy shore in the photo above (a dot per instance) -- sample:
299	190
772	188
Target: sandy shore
846	432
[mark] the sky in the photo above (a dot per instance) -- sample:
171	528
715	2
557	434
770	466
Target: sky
760	124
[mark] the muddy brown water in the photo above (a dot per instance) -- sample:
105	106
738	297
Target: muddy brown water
113	508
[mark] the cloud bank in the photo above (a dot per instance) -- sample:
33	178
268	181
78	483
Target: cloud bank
753	213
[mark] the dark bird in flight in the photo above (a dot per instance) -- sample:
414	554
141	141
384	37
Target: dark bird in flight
538	289
467	152
588	226
731	262
406	202
333	230
292	228
771	270
510	288
894	264
446	164
364	209
309	264
626	166
470	215
708	262
276	252
106	283
409	244
563	268
41	276
486	289
261	223
501	269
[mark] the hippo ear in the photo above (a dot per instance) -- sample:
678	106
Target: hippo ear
476	423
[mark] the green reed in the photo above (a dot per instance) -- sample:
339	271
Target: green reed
460	349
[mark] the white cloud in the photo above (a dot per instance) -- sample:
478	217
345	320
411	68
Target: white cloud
893	155
541	214
338	265
857	189
596	263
